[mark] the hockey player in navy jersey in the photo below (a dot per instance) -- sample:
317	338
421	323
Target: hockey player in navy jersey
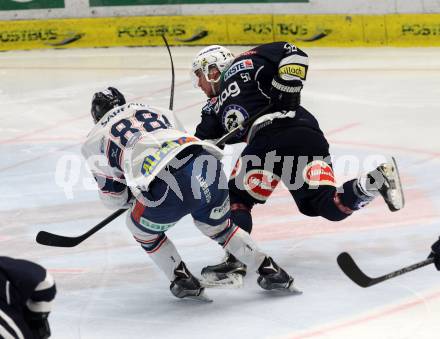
26	294
286	144
142	162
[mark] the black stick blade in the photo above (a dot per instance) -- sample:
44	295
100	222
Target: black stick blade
351	270
349	267
50	239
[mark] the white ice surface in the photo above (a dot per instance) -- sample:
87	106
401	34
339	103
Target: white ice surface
370	102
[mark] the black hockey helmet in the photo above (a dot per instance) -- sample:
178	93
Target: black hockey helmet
104	101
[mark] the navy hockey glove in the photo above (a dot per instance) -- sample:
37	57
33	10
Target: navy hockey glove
38	324
435	253
285	94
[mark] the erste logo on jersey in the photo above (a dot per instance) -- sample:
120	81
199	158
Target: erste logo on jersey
239	66
260	183
293	71
234	115
318	173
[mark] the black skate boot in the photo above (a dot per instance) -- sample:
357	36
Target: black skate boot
185	285
273	277
229	272
386	180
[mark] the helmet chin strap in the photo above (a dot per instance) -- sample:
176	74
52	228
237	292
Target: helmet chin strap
213	87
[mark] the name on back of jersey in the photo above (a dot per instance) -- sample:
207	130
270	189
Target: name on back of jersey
105	120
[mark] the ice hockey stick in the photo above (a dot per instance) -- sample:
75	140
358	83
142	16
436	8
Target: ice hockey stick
352	270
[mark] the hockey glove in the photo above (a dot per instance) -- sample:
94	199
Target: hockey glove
285	94
38	324
435	253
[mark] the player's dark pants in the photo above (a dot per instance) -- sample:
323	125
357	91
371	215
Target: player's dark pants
296	152
12	321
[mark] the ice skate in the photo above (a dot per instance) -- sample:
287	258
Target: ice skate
185	285
273	277
228	273
386	180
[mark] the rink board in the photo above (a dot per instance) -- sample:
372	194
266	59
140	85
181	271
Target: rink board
407	30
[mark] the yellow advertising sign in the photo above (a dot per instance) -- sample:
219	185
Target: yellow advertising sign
106	32
319	30
250	29
303	30
413	30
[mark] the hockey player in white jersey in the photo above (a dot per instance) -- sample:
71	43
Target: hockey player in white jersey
142	162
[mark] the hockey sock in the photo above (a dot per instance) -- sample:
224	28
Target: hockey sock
354	195
240	244
367	188
241	216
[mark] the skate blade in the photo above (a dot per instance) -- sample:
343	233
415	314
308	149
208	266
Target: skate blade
201	297
291	290
287	290
231	281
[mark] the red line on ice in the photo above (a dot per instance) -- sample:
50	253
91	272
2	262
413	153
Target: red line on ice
365	319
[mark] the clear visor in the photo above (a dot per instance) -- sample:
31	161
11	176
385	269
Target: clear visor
207	73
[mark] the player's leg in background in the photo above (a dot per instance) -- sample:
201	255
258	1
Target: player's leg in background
307	173
313	186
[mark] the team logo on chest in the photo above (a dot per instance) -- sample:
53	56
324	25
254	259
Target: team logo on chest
234	115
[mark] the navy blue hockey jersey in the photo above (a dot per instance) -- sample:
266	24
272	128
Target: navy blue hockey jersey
245	88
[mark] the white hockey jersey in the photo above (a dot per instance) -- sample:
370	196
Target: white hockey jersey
130	145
